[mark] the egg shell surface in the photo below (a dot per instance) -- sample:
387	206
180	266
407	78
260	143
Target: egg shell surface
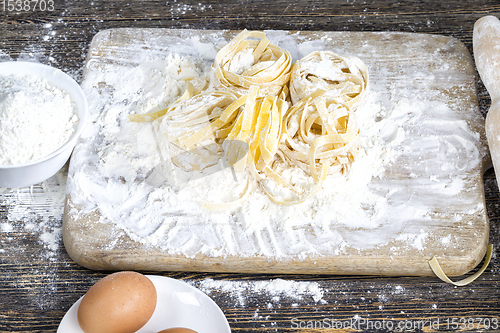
178	330
121	302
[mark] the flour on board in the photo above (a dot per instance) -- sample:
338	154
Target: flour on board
120	182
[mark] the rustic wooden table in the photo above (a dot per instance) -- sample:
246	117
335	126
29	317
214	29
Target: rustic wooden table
38	280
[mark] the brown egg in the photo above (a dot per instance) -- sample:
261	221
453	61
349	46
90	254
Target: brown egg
121	302
178	330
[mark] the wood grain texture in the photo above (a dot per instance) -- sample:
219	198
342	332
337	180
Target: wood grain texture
35	291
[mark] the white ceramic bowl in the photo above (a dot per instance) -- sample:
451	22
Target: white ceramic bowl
32	173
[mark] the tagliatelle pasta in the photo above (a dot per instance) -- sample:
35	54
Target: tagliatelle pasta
318	135
195	85
342	78
249	130
318	131
251	138
251	121
189	119
245	62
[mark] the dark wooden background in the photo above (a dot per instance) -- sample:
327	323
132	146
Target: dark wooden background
36	289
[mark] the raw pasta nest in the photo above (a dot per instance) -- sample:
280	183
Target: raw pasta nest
342	78
261	132
265	65
192	144
318	135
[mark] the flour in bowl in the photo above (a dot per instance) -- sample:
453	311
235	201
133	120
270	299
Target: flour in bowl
36	119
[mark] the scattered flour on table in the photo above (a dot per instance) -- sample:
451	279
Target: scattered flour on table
278	290
36	119
37	211
32	217
114	182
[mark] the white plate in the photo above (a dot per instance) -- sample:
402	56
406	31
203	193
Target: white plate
178	305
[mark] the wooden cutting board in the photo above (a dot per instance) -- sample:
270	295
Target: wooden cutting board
437	170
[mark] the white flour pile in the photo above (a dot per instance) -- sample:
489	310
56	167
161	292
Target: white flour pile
36	119
113	174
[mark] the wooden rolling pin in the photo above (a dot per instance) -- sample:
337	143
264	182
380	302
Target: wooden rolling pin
486	44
